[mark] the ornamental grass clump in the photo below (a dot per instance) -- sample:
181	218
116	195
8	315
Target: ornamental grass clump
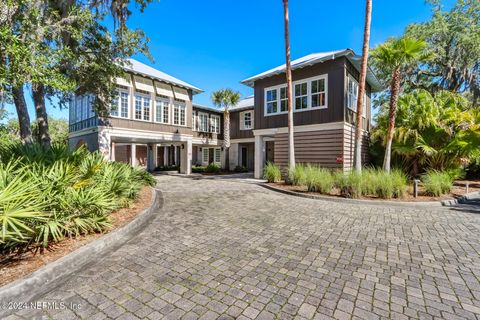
437	183
272	173
49	194
297	175
318	179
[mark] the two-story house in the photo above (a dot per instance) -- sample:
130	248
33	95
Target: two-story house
325	93
152	123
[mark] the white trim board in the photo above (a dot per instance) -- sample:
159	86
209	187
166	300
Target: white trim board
305	128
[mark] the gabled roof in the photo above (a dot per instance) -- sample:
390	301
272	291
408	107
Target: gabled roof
142	69
315	58
244	104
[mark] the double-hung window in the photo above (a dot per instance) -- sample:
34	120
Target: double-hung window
215	124
271	101
114	109
179	114
318	93
161	111
301	96
283	99
352	93
194	121
142	108
246	120
203	122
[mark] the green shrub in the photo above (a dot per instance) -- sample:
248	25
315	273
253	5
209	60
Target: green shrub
437	183
297	175
47	194
240	169
272	173
318	179
212	168
198	169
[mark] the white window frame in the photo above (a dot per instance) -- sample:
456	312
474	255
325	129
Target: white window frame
275	88
194	121
205	152
243	125
215	124
219	154
179	106
351	106
118	99
143	97
317	93
203	126
309	96
163	104
306	95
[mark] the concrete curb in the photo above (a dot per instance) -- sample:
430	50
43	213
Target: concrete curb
461	200
53	274
355	201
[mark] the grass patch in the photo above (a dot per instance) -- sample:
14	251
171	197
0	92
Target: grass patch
437	183
272	173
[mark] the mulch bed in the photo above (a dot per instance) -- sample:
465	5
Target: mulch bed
14	267
457	191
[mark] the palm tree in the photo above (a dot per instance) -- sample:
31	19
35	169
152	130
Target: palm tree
361	87
291	147
395	55
225	98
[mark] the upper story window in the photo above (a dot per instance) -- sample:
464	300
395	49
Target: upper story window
203	122
308	94
246	120
271	101
142	107
283	99
194	121
179	114
301	96
318	93
162	111
352	96
120	105
215	124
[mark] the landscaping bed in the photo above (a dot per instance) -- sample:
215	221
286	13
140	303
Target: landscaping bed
457	191
17	265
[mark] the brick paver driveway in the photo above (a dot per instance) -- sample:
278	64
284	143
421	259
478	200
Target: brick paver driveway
228	249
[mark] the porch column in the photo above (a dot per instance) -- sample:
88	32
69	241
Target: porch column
259	157
165	156
112	152
134	154
150	157
233	154
186	157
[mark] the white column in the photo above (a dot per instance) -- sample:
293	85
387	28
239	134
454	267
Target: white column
259	157
233	154
186	157
112	152
134	154
150	157
104	143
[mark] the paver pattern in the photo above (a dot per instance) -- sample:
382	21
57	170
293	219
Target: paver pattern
226	249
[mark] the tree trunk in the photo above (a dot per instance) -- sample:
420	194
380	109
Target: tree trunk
394	90
38	92
226	137
361	88
291	146
22	113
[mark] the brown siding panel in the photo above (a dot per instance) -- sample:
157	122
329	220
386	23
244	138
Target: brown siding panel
149	126
349	147
235	132
318	147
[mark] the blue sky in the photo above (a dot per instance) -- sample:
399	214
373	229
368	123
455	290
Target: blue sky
217	43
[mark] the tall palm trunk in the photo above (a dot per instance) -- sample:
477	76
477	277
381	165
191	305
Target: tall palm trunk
226	137
291	146
38	92
395	88
361	88
22	113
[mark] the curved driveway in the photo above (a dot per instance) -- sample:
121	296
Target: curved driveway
229	249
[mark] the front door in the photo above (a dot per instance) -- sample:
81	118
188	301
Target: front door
270	151
210	155
244	156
